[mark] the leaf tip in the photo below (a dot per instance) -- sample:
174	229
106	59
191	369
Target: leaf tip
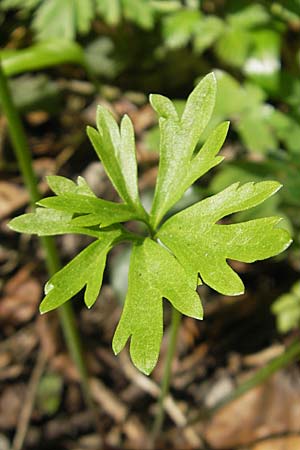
43	308
89	302
116	348
279	186
92	132
145	366
236	293
146	371
151	98
100	109
212	76
10	224
226	124
287	244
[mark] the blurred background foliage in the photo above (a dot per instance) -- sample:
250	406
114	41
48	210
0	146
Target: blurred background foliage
166	46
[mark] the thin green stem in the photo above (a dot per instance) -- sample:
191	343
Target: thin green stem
22	152
290	354
165	385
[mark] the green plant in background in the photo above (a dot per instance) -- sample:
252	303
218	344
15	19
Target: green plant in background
287	309
54	18
41	56
189	248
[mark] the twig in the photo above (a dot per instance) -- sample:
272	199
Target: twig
290	354
170	406
165	386
25	415
116	409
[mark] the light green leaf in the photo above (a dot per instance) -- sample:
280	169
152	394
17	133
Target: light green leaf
179	27
140	12
203	247
127	158
49	393
263	64
287	309
61	185
85	270
177	143
207	31
206	157
35	92
286	128
110	10
156	273
108	212
248	17
164	107
100	57
55	19
231	99
166	6
264	138
84	11
40	56
116	149
12	4
198	109
48	222
233	46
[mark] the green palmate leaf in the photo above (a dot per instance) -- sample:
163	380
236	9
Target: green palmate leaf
178	139
155	273
86	269
107	212
190	244
116	149
203	247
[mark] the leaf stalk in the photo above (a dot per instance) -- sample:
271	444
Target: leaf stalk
166	380
22	153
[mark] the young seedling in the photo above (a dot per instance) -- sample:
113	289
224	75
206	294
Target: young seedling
188	249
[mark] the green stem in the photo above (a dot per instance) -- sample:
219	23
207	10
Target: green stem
165	385
290	354
22	152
